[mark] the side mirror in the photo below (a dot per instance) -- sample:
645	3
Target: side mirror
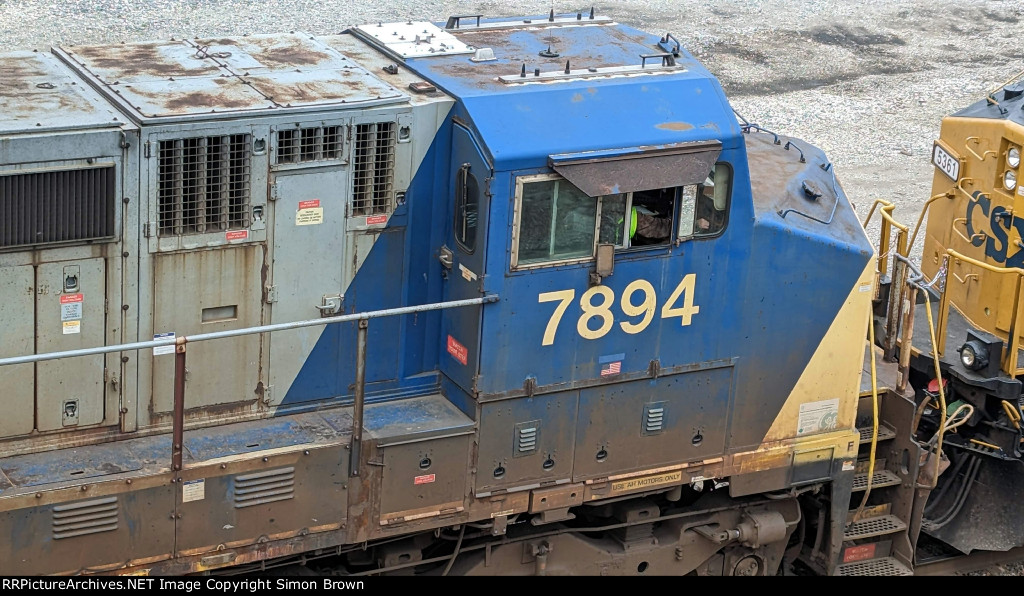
604	265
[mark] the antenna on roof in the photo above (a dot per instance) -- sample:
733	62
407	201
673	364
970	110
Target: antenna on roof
591	12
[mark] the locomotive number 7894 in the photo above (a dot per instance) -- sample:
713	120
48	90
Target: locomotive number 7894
679	304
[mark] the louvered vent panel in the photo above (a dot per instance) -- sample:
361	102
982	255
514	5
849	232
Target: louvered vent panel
264	487
87	517
373	179
654	418
527	437
57	206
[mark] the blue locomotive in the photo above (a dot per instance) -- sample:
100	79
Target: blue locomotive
487	296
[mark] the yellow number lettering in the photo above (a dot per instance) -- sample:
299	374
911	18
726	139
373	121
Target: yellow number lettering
566	297
688	309
590	311
645	308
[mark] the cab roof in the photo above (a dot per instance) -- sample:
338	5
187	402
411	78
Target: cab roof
539	86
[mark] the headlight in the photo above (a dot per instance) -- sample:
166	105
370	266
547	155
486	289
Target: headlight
1013	157
974	355
1010	180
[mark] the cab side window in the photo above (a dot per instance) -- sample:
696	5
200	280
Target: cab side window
704	208
558	223
467	201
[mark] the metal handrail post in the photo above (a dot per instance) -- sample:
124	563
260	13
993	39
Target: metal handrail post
360	398
178	430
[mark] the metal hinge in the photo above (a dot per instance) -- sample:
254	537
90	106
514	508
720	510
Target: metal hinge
270	294
268	394
273	196
147	229
147	149
124	140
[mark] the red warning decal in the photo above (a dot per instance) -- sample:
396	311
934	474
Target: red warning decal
426	479
69	298
859	553
311	204
376	219
237	235
457	350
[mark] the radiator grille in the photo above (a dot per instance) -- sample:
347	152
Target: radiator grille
264	487
57	206
204	185
296	145
527	436
373	181
86	517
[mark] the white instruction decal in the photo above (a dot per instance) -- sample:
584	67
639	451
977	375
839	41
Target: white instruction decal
466	273
818	416
71	313
193	490
163	349
310	213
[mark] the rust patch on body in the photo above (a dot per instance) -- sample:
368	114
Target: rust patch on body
135	59
675	126
274	52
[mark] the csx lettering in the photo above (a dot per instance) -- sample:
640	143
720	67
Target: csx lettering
996	241
597	319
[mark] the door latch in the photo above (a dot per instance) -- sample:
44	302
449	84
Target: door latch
331	305
447	257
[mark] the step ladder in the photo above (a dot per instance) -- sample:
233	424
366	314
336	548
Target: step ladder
880	541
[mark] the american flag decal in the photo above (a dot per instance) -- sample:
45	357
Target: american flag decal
611	364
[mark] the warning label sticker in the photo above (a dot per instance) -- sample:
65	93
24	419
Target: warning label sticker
309	217
310	213
467	274
157	351
425	479
374	220
71	307
817	416
457	350
237	235
71	313
193	490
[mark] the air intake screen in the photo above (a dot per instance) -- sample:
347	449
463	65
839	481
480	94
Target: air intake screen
373	156
57	206
204	185
296	145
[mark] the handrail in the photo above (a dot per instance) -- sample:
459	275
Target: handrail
924	210
977	141
888	222
156	343
897	288
1010	81
1009	363
179	343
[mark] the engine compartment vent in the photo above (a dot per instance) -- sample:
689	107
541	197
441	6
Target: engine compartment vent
373	168
57	206
264	487
85	517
